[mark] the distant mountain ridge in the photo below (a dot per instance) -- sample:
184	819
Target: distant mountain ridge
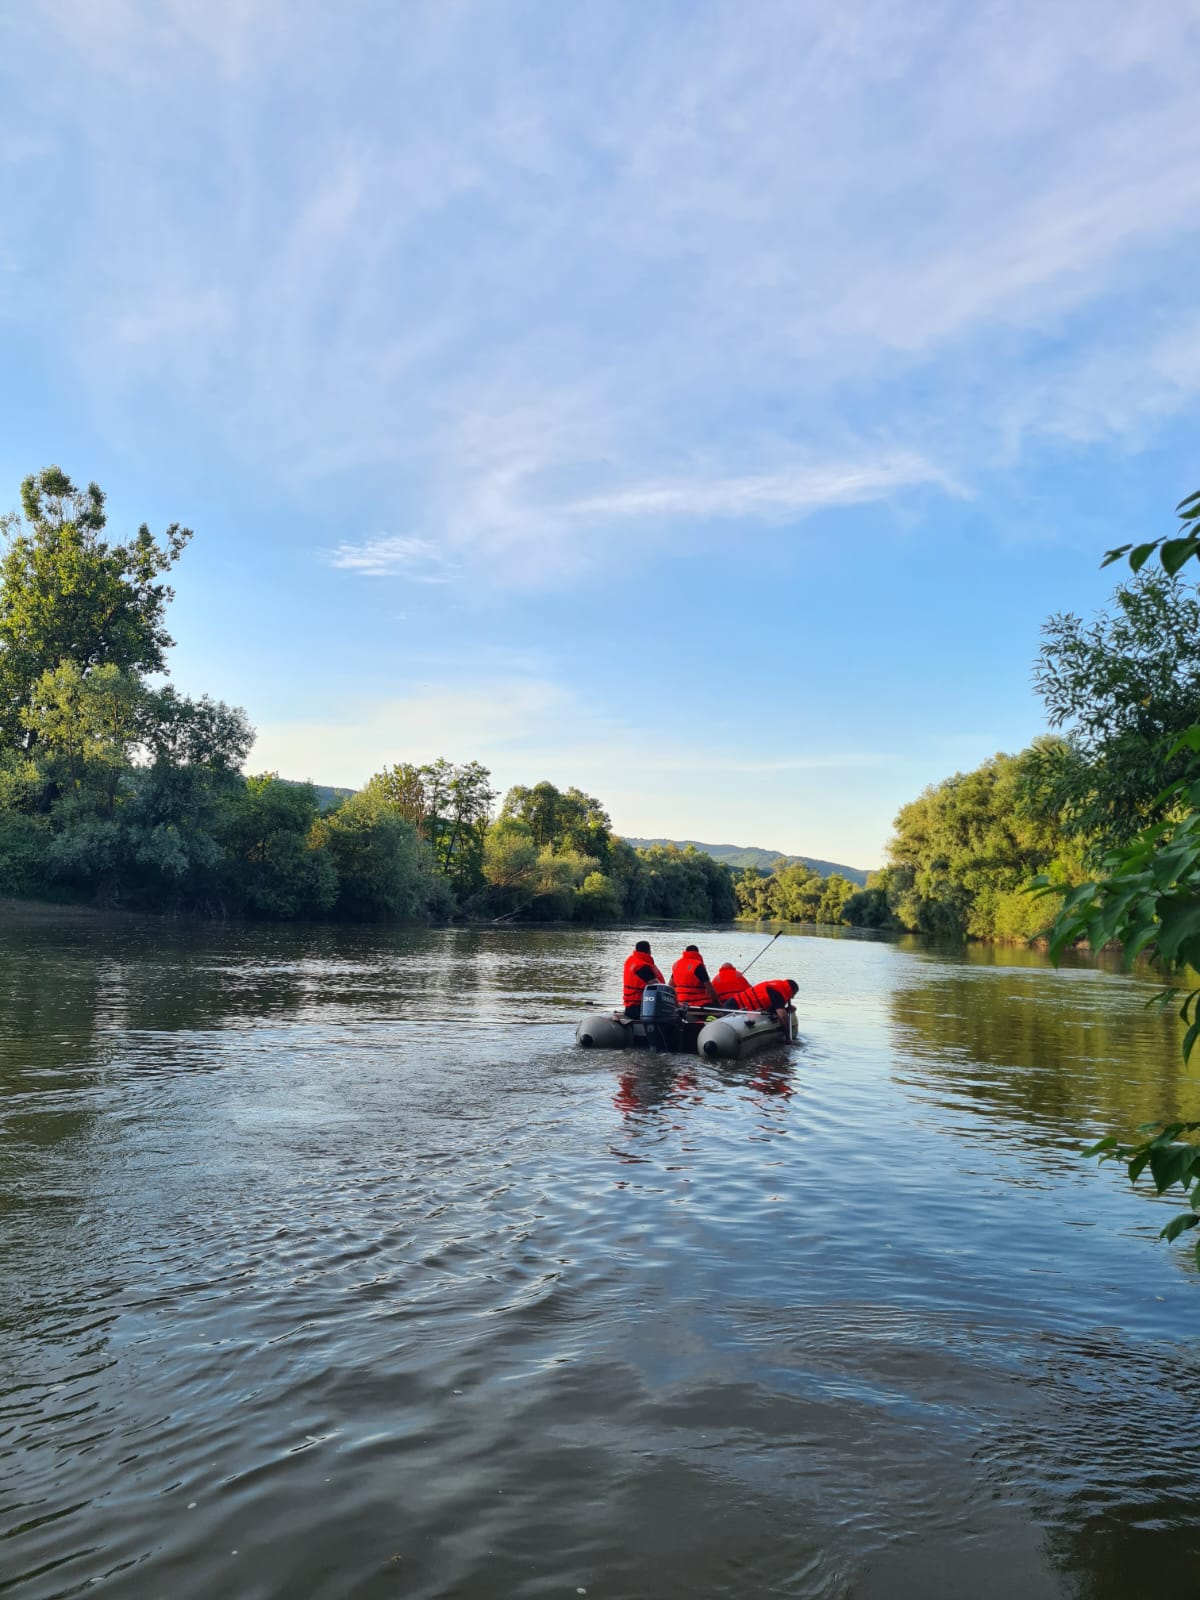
738	856
327	793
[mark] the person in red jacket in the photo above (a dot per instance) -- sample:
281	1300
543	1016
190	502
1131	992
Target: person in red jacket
639	971
689	977
731	985
775	994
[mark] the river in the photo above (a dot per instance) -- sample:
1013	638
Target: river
332	1268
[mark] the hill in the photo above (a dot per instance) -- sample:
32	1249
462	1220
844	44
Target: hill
327	794
739	856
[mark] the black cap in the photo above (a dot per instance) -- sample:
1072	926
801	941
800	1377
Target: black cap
794	986
642	947
690	950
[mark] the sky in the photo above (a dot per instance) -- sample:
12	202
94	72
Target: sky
703	404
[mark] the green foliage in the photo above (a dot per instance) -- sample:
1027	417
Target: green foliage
66	594
1146	890
510	854
23	841
85	727
272	857
566	819
793	892
1123	686
869	908
1171	1161
377	858
964	851
449	807
1173	553
1146	894
554	879
597	900
685	885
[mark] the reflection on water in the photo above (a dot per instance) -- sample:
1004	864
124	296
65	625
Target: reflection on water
331	1268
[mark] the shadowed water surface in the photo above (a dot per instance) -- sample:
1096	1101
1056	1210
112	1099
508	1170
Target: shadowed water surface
331	1268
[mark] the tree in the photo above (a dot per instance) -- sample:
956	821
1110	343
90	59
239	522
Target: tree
1123	686
538	808
834	897
564	819
1146	894
86	727
597	899
178	731
274	864
458	851
510	854
685	885
869	908
68	595
450	807
964	850
377	857
404	788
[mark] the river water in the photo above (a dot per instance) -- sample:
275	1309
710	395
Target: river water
331	1268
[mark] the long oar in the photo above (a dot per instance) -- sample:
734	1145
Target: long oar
763	951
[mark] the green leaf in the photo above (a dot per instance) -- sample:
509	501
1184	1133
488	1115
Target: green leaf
1171	1164
1168	863
1103	1146
1136	943
1178	1225
1189	1041
1077	896
1179	924
1168	1133
1138	1164
1189	500
1175	552
1113	555
1142	554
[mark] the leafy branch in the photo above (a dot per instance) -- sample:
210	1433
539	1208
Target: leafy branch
1170	1161
1147	896
1173	553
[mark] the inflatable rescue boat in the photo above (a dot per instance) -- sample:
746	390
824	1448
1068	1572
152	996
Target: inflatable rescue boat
663	1025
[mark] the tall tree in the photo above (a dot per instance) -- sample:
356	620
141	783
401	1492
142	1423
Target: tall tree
67	594
1122	687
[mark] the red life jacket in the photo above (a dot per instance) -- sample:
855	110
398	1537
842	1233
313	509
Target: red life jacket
734	991
729	982
772	994
690	980
638	963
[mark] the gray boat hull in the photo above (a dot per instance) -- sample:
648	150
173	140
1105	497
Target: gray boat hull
726	1035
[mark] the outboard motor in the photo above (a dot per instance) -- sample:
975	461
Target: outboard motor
660	1015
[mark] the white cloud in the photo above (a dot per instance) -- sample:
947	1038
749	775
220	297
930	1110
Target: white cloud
768	495
385	555
507	522
517	285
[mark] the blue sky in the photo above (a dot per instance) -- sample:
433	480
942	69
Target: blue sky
704	404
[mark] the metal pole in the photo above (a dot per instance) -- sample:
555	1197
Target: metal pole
764	949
